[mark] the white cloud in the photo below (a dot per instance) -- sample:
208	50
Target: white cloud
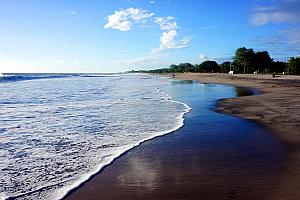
123	19
166	23
60	60
76	61
203	57
168	41
145	59
282	44
276	12
152	2
124	52
149	61
270	15
72	12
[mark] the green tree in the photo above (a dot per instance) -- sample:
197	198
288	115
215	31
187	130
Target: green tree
199	68
210	66
263	62
293	65
244	58
279	66
186	67
182	67
160	71
173	68
225	67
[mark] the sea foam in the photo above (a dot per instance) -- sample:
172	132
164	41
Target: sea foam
59	136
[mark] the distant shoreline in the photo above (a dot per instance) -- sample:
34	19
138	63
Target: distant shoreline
277	109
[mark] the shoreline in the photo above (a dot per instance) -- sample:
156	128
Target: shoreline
80	183
277	109
269	88
214	173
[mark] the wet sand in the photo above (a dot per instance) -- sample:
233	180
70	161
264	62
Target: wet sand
277	109
221	157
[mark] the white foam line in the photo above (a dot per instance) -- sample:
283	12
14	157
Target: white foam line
101	75
67	189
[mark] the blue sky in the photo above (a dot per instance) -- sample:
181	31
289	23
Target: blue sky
120	35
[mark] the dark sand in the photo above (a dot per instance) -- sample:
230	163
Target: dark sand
221	157
277	109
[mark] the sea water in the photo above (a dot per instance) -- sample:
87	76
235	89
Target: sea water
56	131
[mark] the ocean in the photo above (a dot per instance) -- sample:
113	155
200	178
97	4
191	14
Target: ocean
213	156
57	130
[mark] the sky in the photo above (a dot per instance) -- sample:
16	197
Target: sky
74	36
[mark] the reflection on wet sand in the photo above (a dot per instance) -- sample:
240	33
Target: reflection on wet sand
213	156
142	174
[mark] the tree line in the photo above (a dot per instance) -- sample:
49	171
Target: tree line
244	61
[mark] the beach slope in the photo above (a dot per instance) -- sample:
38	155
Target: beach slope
277	108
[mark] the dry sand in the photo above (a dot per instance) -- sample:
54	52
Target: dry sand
277	109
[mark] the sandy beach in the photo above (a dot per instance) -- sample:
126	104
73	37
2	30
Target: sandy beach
186	165
277	109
